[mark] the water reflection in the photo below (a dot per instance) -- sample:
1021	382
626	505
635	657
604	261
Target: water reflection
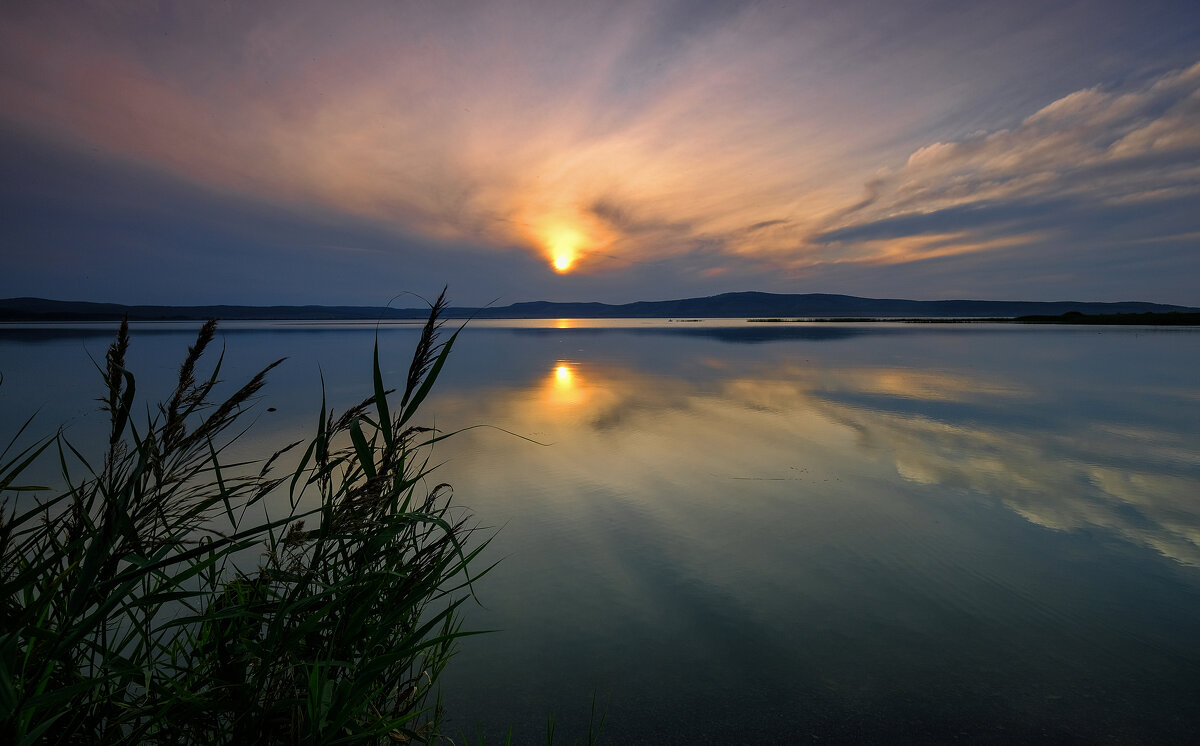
896	535
562	387
1073	470
1055	464
945	534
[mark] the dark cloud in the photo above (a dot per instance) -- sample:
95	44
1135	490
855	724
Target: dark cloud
74	225
763	224
956	219
625	219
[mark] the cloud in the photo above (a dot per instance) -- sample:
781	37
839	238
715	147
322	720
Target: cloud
776	144
1090	158
493	125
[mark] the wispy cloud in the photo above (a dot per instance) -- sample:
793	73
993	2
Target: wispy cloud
1080	162
495	126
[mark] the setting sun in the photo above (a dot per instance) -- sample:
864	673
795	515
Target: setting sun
570	239
564	243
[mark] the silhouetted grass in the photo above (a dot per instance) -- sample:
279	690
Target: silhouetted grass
155	599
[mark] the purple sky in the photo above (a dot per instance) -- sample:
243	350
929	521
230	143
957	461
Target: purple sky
340	153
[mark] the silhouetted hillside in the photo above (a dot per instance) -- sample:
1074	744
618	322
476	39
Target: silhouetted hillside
727	305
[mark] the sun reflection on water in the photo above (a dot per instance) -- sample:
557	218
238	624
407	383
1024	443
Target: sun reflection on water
564	387
930	429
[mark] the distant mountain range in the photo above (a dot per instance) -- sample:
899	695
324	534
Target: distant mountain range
726	305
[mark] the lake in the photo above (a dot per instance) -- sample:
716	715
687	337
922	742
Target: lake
729	532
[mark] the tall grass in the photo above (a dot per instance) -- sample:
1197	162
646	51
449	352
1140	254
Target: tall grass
154	598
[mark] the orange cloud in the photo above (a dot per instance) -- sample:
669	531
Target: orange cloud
466	133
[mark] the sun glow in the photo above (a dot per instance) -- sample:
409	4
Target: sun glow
563	388
564	243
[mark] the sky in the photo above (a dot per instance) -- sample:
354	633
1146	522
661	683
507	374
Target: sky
343	153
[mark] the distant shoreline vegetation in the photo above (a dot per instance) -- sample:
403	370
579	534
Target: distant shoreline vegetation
1171	318
883	319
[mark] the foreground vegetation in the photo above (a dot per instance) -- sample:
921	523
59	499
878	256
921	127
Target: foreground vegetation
166	594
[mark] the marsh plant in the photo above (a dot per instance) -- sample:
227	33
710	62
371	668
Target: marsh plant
166	593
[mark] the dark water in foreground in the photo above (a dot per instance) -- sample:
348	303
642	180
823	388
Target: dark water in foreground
795	534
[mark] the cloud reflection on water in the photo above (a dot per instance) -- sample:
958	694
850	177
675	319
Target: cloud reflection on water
923	526
1057	466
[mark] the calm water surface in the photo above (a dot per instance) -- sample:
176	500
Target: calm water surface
778	533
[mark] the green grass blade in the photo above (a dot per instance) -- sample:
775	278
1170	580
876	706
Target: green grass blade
430	378
366	455
381	403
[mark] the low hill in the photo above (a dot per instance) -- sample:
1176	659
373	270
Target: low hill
727	305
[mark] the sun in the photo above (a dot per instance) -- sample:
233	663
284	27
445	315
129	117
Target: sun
569	239
564	243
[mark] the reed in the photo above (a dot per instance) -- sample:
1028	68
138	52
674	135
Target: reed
167	593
